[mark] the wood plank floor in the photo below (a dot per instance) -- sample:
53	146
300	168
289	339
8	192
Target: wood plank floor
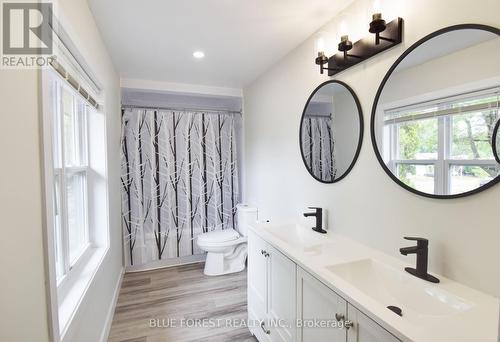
181	296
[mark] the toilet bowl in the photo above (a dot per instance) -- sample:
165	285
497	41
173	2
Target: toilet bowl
227	249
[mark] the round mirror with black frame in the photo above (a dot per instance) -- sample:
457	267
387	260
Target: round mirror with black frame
495	144
331	131
434	113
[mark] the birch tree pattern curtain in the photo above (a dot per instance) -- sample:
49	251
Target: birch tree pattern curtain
319	147
179	179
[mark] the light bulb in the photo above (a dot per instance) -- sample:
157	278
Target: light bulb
343	29
320	45
376	7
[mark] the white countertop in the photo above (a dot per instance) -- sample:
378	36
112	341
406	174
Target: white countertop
478	323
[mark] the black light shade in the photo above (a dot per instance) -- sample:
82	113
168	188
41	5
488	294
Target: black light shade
321	59
378	24
345	44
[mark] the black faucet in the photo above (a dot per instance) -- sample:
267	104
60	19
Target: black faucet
421	250
318	213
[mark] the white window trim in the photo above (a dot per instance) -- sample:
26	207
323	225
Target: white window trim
442	181
65	298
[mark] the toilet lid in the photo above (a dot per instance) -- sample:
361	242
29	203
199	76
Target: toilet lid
219	236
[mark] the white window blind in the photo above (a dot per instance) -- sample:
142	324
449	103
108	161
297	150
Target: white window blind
73	82
479	101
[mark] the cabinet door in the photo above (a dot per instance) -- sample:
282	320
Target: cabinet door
257	283
282	296
317	303
365	329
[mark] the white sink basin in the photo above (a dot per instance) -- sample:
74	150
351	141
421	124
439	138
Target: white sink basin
417	298
297	236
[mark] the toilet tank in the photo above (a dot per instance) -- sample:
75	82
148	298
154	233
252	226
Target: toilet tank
245	215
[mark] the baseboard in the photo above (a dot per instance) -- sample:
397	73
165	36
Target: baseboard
111	310
190	259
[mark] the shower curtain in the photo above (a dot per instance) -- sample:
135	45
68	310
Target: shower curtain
179	179
318	145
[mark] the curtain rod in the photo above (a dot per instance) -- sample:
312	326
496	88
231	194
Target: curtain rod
196	110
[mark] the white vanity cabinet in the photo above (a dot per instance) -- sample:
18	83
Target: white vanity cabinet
281	292
271	292
365	329
315	301
257	278
317	304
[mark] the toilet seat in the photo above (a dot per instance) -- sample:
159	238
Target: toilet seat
218	236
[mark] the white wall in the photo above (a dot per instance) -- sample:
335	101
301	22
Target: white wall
367	205
345	130
22	289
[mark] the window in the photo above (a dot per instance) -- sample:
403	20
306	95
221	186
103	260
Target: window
443	147
70	157
74	135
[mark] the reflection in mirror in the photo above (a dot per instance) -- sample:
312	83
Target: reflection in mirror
434	117
330	131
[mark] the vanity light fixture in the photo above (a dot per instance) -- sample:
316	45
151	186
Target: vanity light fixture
319	48
321	60
354	53
346	45
377	26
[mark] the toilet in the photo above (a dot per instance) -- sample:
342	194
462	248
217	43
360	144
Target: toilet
227	249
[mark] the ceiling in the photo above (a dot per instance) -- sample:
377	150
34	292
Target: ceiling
155	39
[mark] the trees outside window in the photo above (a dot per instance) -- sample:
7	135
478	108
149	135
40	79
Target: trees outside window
444	147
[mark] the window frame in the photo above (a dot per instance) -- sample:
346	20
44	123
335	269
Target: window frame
443	163
61	172
65	297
